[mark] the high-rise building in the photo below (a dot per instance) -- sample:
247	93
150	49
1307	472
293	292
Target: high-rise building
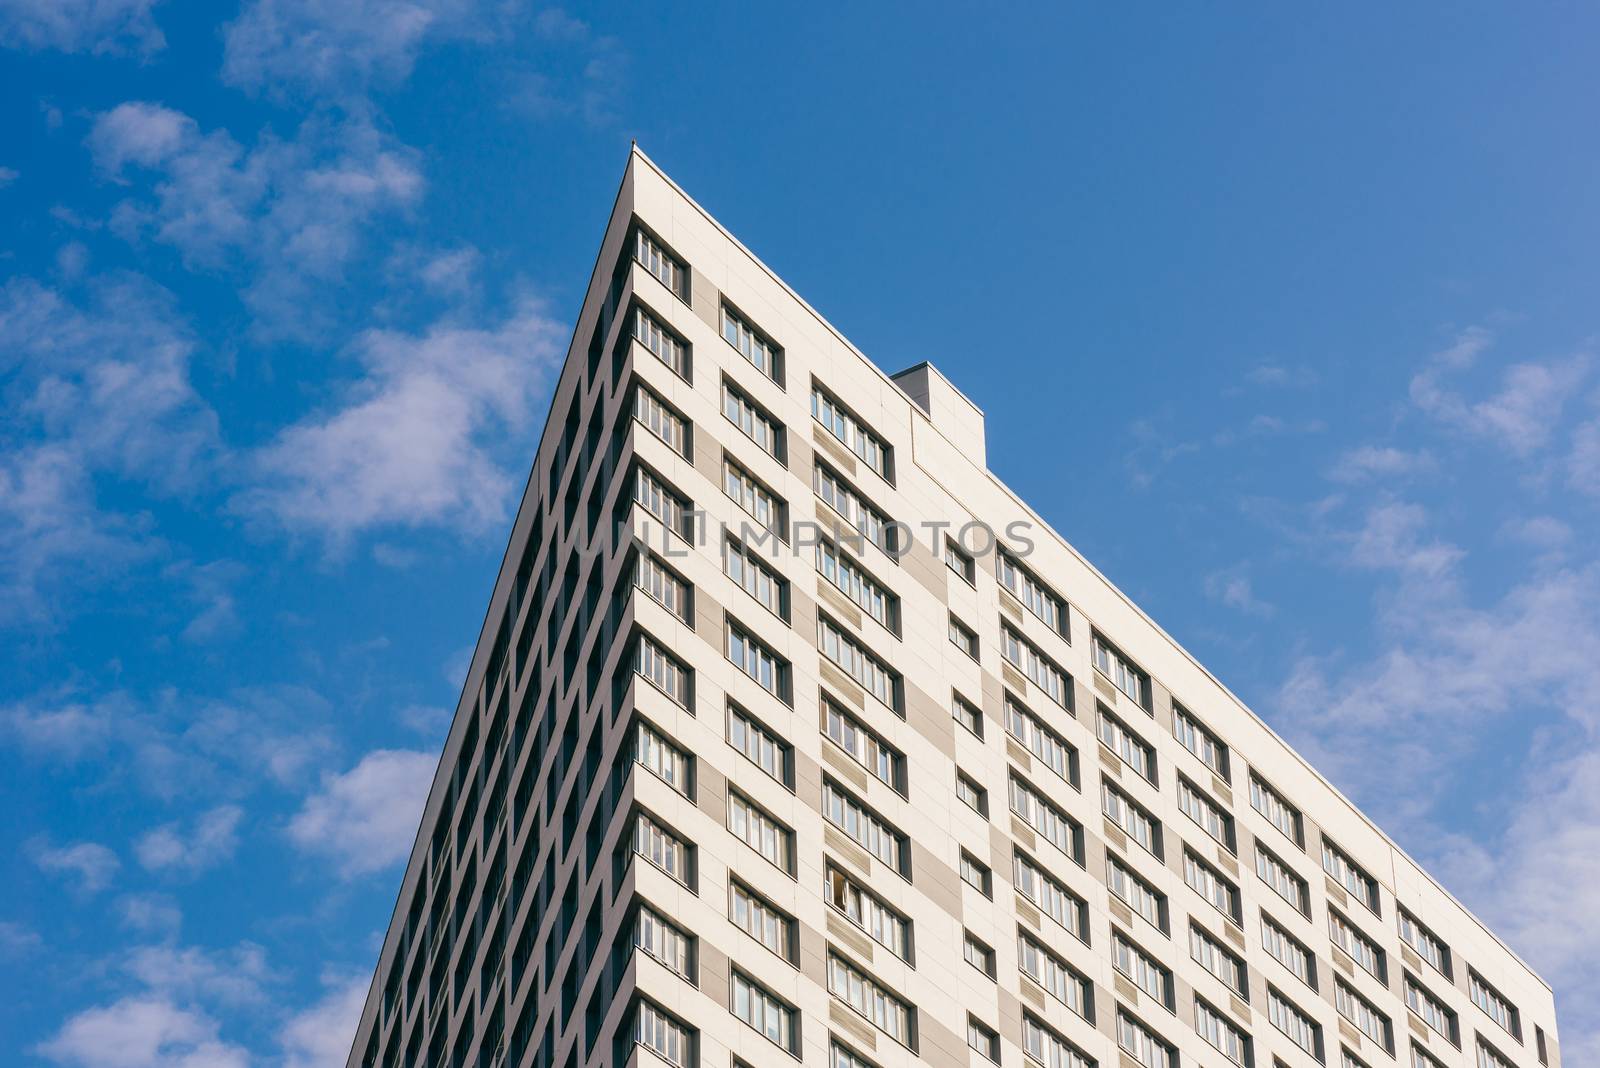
792	735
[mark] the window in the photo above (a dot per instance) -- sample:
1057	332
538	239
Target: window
1288	951
667	506
1289	886
661	584
1282	815
664	1036
864	745
972	795
1049	747
865	828
753	421
976	874
1302	1030
662	940
1135	752
1135	822
762	747
960	562
1431	1011
1219	960
661	757
1143	1044
661	669
660	419
1137	894
841	1056
760	831
978	954
668	347
660	847
867	911
1421	1058
753	575
1122	672
1045	817
854	660
1493	1003
1489	1057
1205	812
763	355
777	1022
1052	898
666	267
1350	875
761	920
1361	949
1350	1060
1039	598
966	714
1198	739
1212	885
1141	968
1034	664
1044	1046
764	506
1058	978
1538	1036
842	424
754	659
839	495
963	637
867	996
1363	1014
1427	945
851	579
1222	1033
983	1038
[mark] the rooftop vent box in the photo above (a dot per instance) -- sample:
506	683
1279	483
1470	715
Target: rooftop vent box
952	414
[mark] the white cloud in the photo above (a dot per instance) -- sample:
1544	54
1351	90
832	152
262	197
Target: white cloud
1583	463
212	840
419	440
1371	462
90	865
1277	375
321	1036
103	27
150	913
7	176
366	818
1521	416
146	1031
1234	589
234	977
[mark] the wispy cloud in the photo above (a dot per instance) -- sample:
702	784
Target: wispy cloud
365	819
1519	417
322	1034
210	841
102	27
144	1031
1233	588
89	866
1366	463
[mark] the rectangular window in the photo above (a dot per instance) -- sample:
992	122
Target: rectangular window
851	657
1022	655
963	637
1135	822
864	827
1284	882
666	267
983	1038
1431	1011
1118	737
752	657
661	669
759	502
670	508
661	420
661	757
1350	875
960	562
976	874
1051	897
776	1021
1421	1058
1054	751
1350	1060
1123	673
851	432
661	584
867	911
667	346
875	1002
1043	1046
1222	1033
1199	740
1361	949
753	421
756	577
1282	815
966	713
1489	1057
1207	813
1363	1014
663	1036
762	920
1212	885
1143	1044
1427	944
841	1056
660	847
664	941
1039	599
1137	894
754	346
1045	817
853	508
761	746
978	954
851	579
971	794
1143	970
1219	960
1288	951
1058	978
1494	1004
1302	1030
758	830
865	746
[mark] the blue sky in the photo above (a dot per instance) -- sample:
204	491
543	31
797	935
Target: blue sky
1285	317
